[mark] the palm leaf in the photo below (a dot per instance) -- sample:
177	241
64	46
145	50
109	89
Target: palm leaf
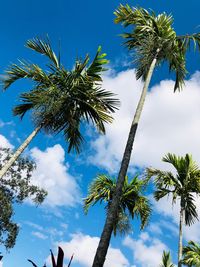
44	48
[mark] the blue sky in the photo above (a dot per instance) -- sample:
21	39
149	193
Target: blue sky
170	123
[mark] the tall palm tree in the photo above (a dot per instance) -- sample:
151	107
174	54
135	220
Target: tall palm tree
132	202
154	41
166	260
61	99
191	254
184	186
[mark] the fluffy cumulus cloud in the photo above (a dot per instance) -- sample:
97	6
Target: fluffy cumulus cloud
52	175
147	251
170	122
84	247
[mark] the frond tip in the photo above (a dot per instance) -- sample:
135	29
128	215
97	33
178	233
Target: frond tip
44	48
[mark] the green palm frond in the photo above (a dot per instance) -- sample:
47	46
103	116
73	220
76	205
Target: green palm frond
96	67
190	209
44	48
166	260
191	254
132	202
62	100
122	226
100	189
25	70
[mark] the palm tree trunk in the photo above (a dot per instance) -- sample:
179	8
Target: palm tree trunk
112	212
18	152
180	243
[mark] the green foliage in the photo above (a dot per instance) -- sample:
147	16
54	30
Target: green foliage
132	202
60	259
62	99
15	187
191	254
166	260
153	36
184	185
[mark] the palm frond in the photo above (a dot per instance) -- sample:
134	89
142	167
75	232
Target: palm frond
100	189
166	260
24	70
96	68
191	254
190	209
44	48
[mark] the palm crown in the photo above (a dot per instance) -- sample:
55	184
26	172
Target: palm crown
184	185
61	99
191	254
132	202
153	36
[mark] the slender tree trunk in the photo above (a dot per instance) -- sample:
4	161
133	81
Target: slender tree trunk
18	152
112	213
180	243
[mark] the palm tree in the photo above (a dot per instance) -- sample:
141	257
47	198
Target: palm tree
132	202
154	41
184	186
166	260
61	99
191	254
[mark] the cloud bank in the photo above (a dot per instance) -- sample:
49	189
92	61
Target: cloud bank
84	247
170	122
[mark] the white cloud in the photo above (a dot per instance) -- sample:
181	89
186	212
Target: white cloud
3	123
34	225
147	251
39	235
170	122
84	247
47	232
4	142
52	175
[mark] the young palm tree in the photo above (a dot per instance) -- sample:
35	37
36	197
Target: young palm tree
132	202
166	260
154	41
184	185
61	99
191	254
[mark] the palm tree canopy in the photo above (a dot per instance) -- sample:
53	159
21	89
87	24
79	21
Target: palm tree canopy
166	260
185	184
191	254
61	99
132	202
153	36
